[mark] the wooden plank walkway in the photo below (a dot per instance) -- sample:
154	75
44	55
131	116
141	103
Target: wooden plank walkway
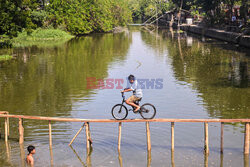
6	115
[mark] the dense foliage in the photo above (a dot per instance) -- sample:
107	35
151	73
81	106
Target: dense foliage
85	16
75	16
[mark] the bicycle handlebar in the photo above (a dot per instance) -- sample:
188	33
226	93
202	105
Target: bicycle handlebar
123	94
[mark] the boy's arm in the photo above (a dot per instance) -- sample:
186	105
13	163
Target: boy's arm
32	161
127	90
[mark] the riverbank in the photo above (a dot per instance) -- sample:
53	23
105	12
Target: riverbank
232	37
41	37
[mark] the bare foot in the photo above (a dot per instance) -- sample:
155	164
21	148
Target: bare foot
137	109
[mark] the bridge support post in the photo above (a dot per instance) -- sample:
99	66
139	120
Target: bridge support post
246	142
50	134
21	131
206	147
88	138
172	136
119	136
6	129
148	136
222	137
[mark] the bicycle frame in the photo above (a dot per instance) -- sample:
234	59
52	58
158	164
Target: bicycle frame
123	100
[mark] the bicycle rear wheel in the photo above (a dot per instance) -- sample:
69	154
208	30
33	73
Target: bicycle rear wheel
147	111
119	112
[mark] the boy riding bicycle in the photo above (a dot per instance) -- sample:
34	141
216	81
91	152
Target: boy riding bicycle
137	92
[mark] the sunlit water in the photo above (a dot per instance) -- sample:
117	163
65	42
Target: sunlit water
201	78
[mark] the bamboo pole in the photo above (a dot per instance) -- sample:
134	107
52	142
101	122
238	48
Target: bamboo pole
22	154
8	126
172	159
77	134
119	136
87	136
222	137
51	156
148	136
6	130
127	120
149	159
246	142
172	136
50	134
21	131
206	147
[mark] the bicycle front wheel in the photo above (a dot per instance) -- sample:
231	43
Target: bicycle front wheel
147	111
119	112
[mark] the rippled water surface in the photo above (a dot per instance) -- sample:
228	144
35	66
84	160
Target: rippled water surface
201	78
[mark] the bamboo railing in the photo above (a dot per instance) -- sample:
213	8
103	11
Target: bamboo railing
86	124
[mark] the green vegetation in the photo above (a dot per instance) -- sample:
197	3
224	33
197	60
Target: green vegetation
5	57
41	37
80	17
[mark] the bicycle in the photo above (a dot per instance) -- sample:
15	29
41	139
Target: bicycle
120	111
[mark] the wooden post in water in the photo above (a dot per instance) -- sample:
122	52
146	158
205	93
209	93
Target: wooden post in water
172	159
6	130
22	155
172	136
206	147
50	134
246	142
119	136
8	123
87	136
21	131
222	137
148	137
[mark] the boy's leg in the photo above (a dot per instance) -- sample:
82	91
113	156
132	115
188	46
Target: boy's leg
131	100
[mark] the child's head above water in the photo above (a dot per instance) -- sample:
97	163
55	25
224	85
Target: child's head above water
31	149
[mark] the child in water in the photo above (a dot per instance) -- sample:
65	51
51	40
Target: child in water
30	159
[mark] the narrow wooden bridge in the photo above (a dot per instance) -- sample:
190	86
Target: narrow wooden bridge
6	116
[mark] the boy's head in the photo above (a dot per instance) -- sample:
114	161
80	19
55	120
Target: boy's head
31	149
131	78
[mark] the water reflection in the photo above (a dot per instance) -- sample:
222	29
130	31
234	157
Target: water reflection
88	157
78	157
22	155
120	158
246	160
221	159
172	159
7	145
205	160
46	81
149	158
51	156
220	77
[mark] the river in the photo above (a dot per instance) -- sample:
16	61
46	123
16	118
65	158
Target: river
199	78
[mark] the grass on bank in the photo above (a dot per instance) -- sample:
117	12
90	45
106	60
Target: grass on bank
41	37
5	57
